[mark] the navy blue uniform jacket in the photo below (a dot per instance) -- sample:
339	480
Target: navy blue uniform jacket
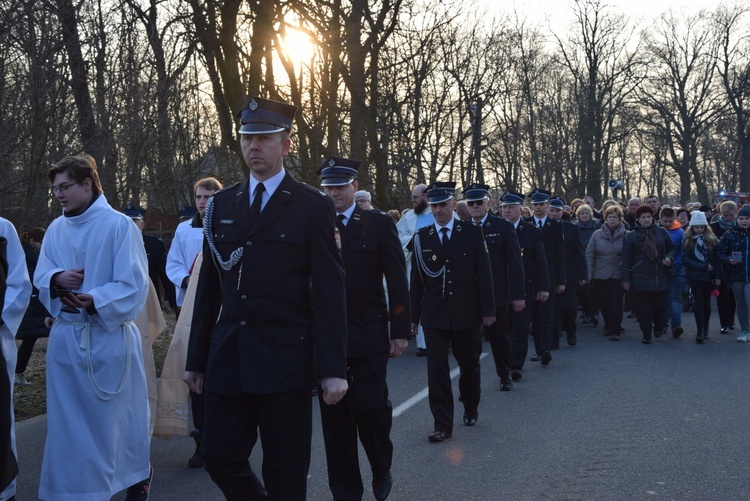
276	320
371	250
465	294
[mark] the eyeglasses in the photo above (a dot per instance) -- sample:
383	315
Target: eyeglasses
472	203
62	188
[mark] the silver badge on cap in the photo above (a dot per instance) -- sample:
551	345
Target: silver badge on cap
253	105
331	162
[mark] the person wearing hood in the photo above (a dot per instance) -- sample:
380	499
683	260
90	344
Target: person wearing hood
647	253
733	253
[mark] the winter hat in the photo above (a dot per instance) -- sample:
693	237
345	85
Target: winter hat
744	211
699	219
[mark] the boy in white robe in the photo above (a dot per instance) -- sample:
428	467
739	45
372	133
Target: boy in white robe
17	294
97	401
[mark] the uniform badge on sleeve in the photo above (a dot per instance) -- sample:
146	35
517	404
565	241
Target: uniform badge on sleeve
337	237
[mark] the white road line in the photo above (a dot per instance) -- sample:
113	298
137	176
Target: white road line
414	400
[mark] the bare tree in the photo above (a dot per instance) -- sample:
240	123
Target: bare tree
680	95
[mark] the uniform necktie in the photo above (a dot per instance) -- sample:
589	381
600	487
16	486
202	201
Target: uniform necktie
540	222
255	207
341	218
444	231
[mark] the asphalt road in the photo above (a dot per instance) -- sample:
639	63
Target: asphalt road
605	421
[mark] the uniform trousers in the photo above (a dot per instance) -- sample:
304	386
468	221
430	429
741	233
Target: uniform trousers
542	323
366	411
231	430
467	347
499	335
520	330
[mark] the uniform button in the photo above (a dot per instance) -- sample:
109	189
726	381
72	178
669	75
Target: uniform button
243	297
450	282
450	293
243	323
283	235
447	261
248	243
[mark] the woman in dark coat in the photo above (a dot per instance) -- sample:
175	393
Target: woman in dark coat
701	269
32	327
647	255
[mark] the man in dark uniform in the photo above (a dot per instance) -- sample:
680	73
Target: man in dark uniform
452	297
156	252
575	274
543	314
535	274
371	250
507	276
267	318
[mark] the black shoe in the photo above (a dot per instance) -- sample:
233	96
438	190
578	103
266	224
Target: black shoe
699	338
594	321
470	419
586	319
139	491
381	487
572	340
631	315
677	332
421	352
731	327
196	461
546	358
439	436
725	330
537	357
506	385
516	375
657	333
645	341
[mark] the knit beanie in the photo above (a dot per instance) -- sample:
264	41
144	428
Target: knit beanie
744	211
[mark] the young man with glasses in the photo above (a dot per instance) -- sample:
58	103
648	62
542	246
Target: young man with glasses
92	276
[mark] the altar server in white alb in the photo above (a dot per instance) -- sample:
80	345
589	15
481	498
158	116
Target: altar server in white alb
97	401
17	294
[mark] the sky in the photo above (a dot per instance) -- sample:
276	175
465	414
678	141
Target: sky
557	13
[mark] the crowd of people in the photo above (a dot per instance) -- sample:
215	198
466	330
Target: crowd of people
255	333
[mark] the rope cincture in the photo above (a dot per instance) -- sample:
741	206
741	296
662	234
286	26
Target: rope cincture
85	345
235	257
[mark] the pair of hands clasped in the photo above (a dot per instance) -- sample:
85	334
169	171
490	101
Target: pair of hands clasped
73	279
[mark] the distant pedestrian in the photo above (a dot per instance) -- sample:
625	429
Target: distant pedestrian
32	327
734	253
701	270
647	254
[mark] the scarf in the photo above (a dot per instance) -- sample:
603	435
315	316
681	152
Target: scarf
647	235
700	248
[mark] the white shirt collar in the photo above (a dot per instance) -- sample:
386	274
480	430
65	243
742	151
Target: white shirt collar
269	184
348	213
449	225
543	220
